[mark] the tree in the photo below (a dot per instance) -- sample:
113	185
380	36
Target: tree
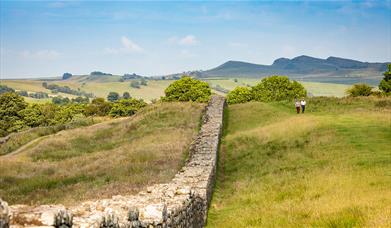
45	85
126	95
98	107
5	89
277	88
10	118
65	76
187	89
385	84
23	93
239	95
81	100
59	100
359	90
113	96
126	107
135	84
143	82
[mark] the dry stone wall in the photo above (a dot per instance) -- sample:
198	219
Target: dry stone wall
183	202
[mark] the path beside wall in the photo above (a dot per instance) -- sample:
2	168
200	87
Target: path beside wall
183	202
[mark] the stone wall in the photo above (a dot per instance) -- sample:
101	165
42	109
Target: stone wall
183	202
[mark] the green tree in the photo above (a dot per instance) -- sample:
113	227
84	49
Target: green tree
135	84
81	100
187	89
239	95
11	104
23	93
113	96
385	84
98	107
359	90
5	89
126	95
277	88
144	82
126	107
59	100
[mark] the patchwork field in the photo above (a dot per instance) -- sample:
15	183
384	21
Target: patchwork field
114	157
329	167
101	87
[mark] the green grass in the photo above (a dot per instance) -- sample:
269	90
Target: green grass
330	167
119	156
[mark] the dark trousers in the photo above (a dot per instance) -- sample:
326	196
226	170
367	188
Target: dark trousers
298	110
302	108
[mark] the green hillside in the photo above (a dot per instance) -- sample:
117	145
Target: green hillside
329	167
116	157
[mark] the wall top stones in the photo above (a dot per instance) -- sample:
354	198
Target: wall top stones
183	202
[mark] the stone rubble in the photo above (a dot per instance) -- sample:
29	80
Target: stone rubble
183	202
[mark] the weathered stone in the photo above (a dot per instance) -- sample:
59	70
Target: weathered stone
4	214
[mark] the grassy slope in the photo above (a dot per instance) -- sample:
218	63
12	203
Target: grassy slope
102	160
327	168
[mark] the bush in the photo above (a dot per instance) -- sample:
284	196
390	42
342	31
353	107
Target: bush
385	84
11	104
187	89
126	107
135	84
5	89
239	95
277	88
126	95
113	96
359	90
59	100
98	107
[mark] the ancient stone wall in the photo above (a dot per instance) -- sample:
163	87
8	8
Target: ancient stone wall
183	202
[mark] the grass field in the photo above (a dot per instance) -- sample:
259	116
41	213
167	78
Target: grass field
329	167
115	157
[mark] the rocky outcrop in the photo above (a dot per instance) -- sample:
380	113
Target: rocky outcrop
183	202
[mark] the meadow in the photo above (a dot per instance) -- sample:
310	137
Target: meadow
114	157
329	167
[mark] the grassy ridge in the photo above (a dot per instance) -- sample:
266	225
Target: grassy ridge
327	168
110	158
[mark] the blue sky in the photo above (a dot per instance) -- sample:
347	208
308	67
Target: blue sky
48	38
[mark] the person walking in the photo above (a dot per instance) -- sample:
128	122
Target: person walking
303	103
297	105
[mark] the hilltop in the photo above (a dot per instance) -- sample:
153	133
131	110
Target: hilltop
332	69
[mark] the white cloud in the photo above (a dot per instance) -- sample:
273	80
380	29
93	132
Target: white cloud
128	46
40	54
188	40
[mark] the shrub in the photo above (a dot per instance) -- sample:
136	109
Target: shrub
5	89
385	84
10	118
59	100
187	89
98	107
126	95
113	96
135	84
239	95
359	90
126	107
277	88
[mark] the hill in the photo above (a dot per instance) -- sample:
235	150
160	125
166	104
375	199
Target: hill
102	160
332	69
329	167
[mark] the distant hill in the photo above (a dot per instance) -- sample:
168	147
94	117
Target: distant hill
332	69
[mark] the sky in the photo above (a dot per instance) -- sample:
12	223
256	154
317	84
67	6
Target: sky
48	38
